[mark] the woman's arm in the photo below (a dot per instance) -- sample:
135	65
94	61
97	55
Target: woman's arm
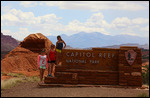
64	43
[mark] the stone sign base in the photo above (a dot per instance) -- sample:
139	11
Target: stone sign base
111	67
84	77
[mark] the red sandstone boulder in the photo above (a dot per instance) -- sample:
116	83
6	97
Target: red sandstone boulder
36	42
24	57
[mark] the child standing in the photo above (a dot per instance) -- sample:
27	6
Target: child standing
51	61
42	64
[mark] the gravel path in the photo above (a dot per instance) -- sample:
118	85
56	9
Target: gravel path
30	89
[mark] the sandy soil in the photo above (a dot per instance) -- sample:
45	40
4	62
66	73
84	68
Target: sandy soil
30	89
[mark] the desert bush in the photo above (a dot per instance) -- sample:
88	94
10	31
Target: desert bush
145	74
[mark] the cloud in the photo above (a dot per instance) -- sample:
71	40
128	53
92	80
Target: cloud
50	22
140	21
121	23
28	3
95	23
125	22
5	8
124	25
19	18
132	34
23	20
96	5
145	29
19	35
96	20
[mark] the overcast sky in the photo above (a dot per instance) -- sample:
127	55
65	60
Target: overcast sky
21	18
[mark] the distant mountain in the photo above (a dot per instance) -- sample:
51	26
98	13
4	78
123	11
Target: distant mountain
7	44
145	46
96	39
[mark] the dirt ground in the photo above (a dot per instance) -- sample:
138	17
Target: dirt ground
30	89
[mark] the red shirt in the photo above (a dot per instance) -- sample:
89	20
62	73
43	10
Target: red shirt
52	55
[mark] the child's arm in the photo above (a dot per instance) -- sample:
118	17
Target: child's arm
48	55
46	61
56	43
38	61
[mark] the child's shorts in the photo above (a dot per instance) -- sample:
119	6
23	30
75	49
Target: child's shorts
43	67
51	61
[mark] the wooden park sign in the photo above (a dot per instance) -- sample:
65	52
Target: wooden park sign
95	59
103	66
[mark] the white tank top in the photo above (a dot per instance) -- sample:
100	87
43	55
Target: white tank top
42	60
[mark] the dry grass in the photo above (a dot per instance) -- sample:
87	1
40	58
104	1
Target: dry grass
18	78
5	84
15	74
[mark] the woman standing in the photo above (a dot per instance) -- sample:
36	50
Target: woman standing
59	47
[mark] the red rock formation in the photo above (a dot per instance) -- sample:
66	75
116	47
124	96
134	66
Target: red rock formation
36	42
24	57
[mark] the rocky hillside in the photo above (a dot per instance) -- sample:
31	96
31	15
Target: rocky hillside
8	43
